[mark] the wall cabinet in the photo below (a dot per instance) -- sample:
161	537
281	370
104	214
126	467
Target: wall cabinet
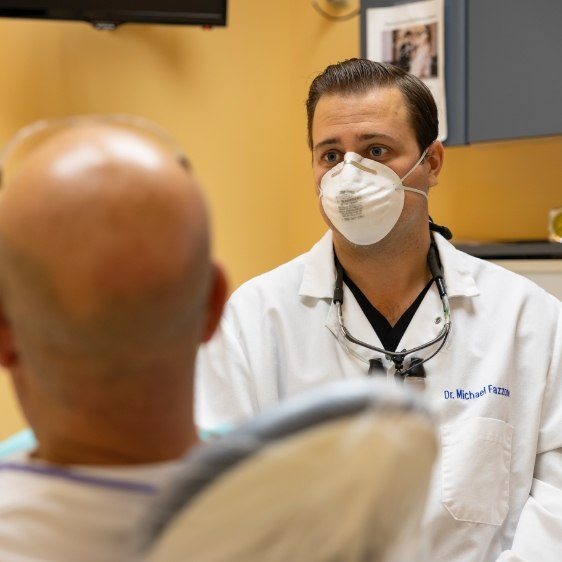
503	67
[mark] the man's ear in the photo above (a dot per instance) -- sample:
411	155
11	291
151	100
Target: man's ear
8	351
435	157
215	305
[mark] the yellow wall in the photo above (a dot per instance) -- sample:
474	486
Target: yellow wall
500	190
225	94
234	98
10	418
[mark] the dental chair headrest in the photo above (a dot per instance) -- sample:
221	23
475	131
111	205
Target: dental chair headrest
337	473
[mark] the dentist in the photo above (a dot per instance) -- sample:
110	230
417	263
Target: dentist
384	294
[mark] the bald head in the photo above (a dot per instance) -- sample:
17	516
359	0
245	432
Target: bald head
104	250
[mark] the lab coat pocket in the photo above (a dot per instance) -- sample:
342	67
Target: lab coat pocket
475	469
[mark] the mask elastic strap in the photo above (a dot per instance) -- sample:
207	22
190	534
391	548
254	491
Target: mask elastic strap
418	191
415	165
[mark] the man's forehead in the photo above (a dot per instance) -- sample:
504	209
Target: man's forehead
377	102
378	111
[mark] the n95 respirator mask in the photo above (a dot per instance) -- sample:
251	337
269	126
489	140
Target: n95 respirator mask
363	198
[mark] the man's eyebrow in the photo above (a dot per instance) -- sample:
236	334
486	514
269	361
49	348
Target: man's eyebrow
363	137
369	136
325	143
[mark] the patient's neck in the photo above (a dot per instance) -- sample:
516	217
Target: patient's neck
140	426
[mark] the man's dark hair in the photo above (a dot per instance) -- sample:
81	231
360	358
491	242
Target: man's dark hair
358	76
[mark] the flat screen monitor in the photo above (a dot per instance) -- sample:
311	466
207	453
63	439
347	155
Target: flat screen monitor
110	13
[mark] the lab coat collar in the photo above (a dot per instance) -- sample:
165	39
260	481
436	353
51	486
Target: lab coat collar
319	270
319	275
459	281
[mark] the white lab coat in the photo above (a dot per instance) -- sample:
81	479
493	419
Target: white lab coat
496	389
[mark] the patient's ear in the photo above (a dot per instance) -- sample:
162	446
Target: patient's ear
9	357
217	298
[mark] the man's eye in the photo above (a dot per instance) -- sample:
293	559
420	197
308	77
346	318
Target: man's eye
377	151
330	157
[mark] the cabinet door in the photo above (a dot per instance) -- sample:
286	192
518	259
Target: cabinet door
514	74
503	67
